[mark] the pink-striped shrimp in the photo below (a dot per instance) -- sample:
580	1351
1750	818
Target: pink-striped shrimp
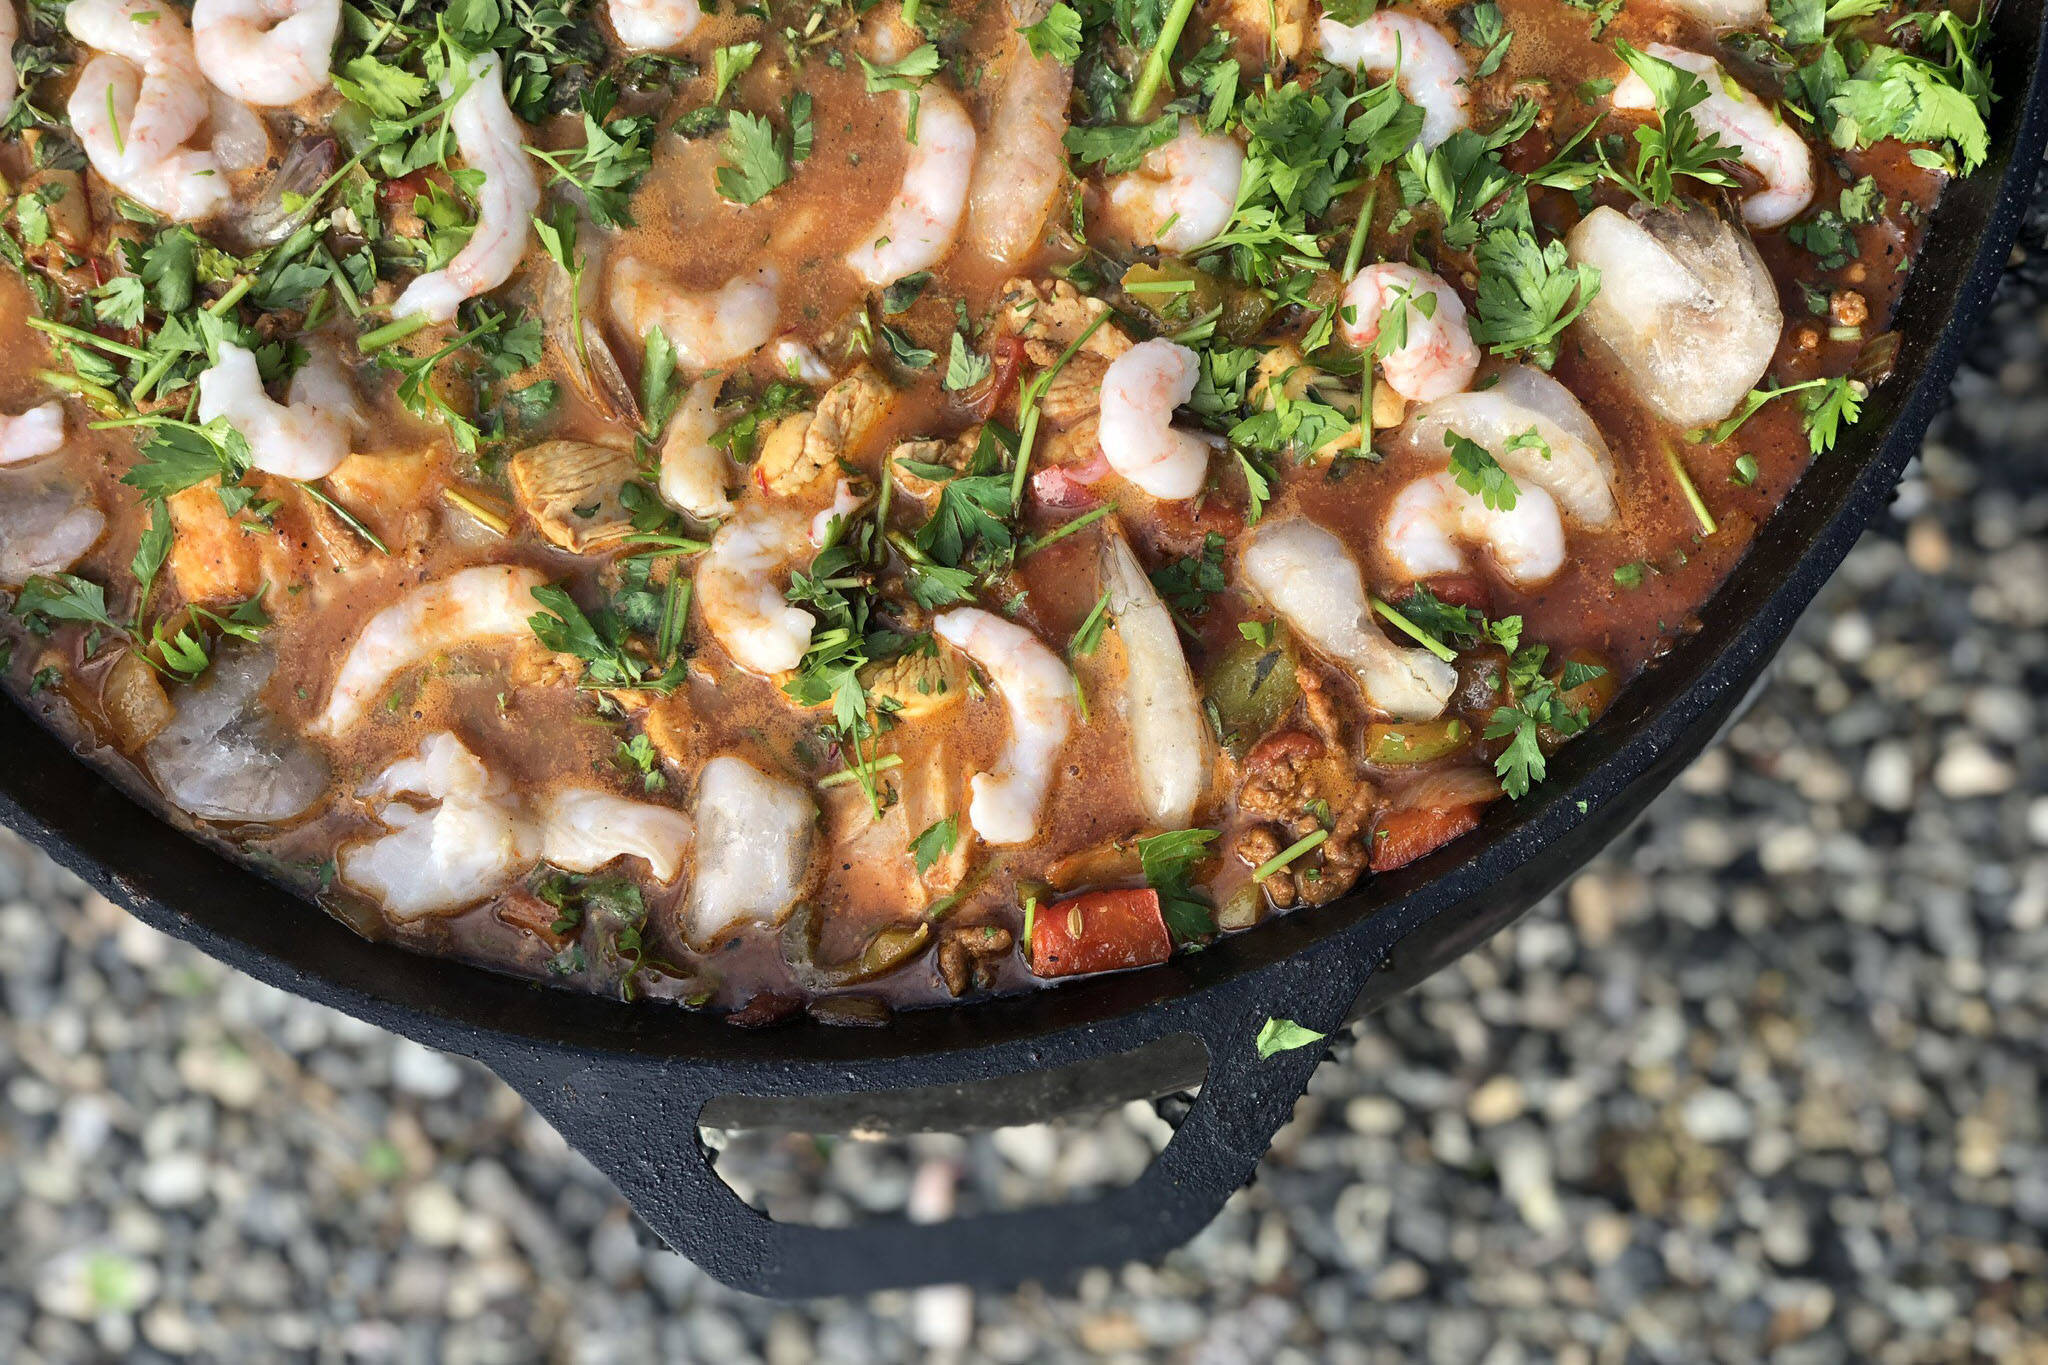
491	142
1423	62
266	52
1437	355
1766	144
1140	390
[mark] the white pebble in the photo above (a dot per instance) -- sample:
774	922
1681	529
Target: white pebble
174	1180
424	1072
1888	776
1716	1115
1968	769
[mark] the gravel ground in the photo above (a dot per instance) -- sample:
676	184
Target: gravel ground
1762	1083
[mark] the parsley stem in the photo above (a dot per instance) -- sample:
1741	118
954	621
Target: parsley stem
349	298
320	495
1157	59
1288	854
861	772
1692	494
398	329
1355	253
910	9
1415	632
220	306
1027	434
98	395
92	339
1059	533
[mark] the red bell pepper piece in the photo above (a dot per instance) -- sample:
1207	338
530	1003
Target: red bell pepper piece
1099	931
1402	836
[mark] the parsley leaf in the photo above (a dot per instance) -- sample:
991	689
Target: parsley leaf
1674	146
965	368
1168	861
756	163
1283	1035
1187	584
1479	474
728	63
1528	294
1057	35
938	839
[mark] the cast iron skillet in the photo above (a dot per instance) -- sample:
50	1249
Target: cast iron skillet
628	1086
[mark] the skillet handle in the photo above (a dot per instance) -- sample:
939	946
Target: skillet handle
649	1147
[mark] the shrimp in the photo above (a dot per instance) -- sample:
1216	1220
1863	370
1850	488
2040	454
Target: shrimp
752	852
1182	194
845	502
478	605
797	360
693	471
1762	139
1433	517
1038	693
1569	459
1021	162
1170	748
582	829
706	329
1140	390
37	432
1725	13
469	847
1436	356
1309	578
138	109
492	142
266	52
1686	305
1422	61
304	439
917	229
739	588
651	25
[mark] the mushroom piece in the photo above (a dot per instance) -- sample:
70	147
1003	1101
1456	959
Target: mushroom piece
225	756
1686	306
753	848
571	491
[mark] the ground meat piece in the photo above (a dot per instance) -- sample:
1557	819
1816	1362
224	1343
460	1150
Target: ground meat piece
1278	774
1347	851
968	954
1320	702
